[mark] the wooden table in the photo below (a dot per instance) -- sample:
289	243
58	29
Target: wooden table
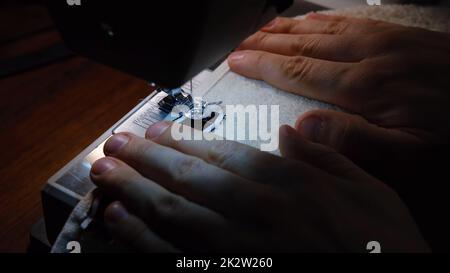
48	114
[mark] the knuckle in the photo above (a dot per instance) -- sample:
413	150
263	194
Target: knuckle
285	24
185	167
167	206
296	68
222	153
305	46
261	39
337	27
259	59
344	78
336	142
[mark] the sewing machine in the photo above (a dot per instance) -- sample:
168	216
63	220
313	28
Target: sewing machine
169	46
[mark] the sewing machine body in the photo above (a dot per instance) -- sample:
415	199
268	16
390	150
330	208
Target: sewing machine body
180	37
71	183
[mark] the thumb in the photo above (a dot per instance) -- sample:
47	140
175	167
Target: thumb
355	137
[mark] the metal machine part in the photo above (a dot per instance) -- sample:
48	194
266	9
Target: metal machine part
198	112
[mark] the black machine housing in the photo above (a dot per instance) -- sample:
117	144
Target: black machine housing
163	42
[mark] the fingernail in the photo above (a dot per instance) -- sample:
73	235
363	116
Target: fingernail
310	127
115	143
156	130
103	165
270	24
116	212
236	56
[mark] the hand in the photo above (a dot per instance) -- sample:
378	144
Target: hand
224	196
394	81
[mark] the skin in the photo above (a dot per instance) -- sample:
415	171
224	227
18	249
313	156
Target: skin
223	196
393	82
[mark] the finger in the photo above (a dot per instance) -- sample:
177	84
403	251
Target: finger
343	48
130	230
188	176
356	184
355	137
237	158
309	77
164	211
316	23
294	145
